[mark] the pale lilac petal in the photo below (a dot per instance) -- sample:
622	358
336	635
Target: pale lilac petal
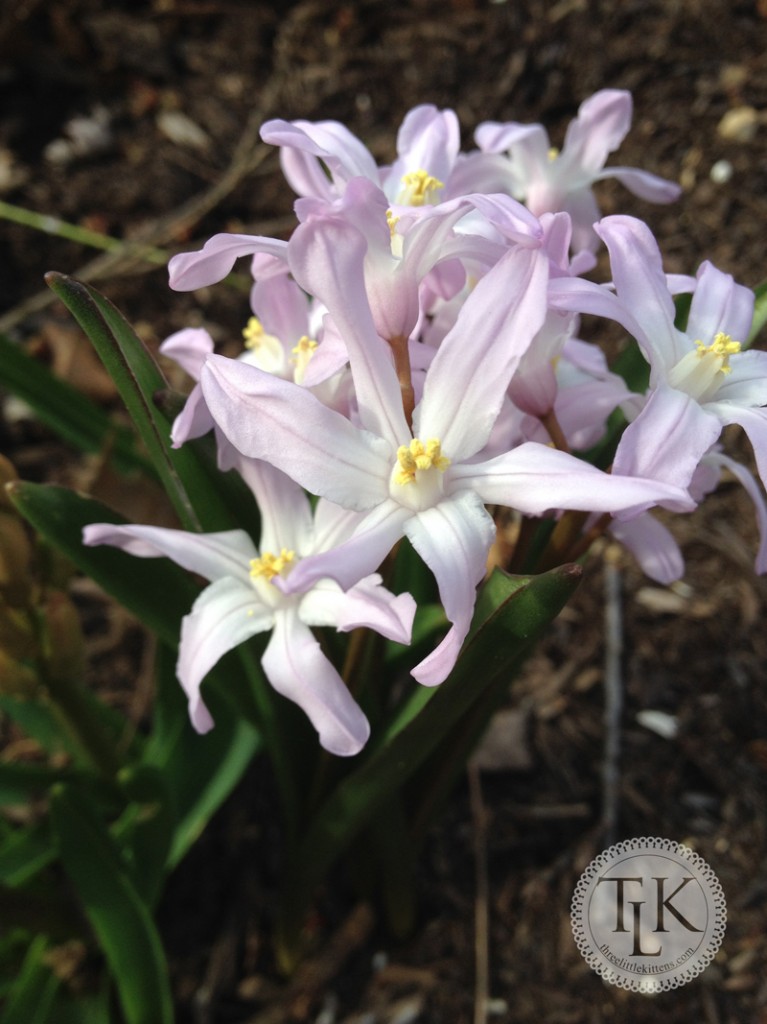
755	493
331	141
211	555
535	479
754	422
572	294
225	614
190	270
376	534
329	358
286	515
194	420
719	304
428	140
454	539
528	141
367	604
327	257
653	546
602	124
637	269
282	308
296	667
189	348
746	384
584	212
668	439
650	187
467	381
284	424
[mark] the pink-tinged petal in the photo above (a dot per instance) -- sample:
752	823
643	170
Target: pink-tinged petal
194	420
297	668
190	270
647	186
653	546
225	614
330	141
668	439
282	308
637	269
601	125
719	304
189	348
327	257
284	424
330	356
574	295
754	422
211	555
755	493
535	479
286	515
523	139
372	540
583	210
514	221
367	604
454	539
746	384
467	381
428	140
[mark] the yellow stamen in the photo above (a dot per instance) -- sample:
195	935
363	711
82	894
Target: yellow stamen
418	455
722	346
268	565
553	153
253	333
391	220
420	185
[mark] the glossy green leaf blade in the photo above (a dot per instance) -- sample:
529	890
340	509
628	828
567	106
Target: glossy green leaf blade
760	313
511	614
138	379
154	589
33	992
66	410
120	919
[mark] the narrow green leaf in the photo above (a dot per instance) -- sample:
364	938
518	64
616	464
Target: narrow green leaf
67	411
24	852
760	313
33	992
21	782
120	920
145	830
194	494
511	614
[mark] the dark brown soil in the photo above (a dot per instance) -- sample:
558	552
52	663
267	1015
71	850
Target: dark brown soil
699	654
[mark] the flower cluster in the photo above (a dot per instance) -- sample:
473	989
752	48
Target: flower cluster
413	360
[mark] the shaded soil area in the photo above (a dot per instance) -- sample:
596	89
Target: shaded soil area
140	121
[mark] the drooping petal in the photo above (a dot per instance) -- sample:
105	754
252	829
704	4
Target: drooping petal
190	270
194	420
297	668
653	546
225	614
755	493
367	603
331	142
284	424
189	348
535	479
467	381
754	422
602	124
668	439
211	555
454	539
647	186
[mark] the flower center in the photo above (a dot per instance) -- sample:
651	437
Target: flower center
700	373
419	188
268	565
265	350
416	480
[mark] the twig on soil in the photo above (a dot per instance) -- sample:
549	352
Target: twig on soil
481	913
613	700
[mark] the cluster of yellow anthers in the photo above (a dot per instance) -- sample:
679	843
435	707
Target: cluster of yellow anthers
418	455
722	346
254	333
420	185
268	565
